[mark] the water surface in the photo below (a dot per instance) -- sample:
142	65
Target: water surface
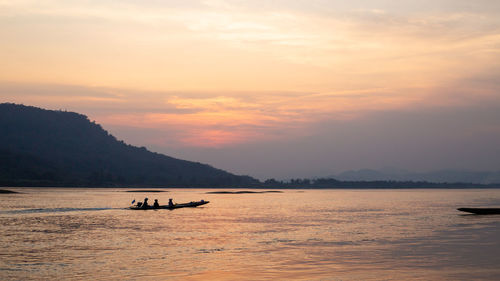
85	234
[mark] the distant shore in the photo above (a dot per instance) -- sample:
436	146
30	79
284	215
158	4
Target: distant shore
267	188
320	183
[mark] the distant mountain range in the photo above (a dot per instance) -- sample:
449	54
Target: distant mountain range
56	148
442	176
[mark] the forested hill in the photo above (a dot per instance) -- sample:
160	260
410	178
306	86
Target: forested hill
56	148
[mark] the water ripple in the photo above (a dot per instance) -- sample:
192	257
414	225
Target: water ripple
52	210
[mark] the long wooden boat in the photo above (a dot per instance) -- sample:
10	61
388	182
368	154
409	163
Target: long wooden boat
171	207
481	211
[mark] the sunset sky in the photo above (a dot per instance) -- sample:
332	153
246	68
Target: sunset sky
269	88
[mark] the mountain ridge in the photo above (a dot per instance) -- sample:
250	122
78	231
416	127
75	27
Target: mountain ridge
40	147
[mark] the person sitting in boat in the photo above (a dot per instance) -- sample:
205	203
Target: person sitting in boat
156	204
145	204
170	202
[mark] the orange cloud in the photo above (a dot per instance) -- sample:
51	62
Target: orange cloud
215	138
225	120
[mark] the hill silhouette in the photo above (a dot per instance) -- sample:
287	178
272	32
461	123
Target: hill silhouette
41	147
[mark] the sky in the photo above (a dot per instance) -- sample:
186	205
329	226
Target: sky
272	89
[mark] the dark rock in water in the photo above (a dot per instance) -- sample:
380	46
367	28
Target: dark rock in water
243	192
145	190
5	191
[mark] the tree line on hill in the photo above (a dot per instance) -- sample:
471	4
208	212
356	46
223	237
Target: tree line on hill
376	184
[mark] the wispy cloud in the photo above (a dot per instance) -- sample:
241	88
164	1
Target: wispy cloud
224	119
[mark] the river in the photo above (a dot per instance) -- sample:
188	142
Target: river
90	234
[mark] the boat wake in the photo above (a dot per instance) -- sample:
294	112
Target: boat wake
52	210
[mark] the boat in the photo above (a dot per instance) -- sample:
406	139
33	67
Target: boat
481	211
171	207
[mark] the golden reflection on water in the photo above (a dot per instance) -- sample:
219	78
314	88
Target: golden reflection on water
82	234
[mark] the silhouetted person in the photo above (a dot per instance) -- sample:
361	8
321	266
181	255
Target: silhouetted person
156	205
170	202
145	204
